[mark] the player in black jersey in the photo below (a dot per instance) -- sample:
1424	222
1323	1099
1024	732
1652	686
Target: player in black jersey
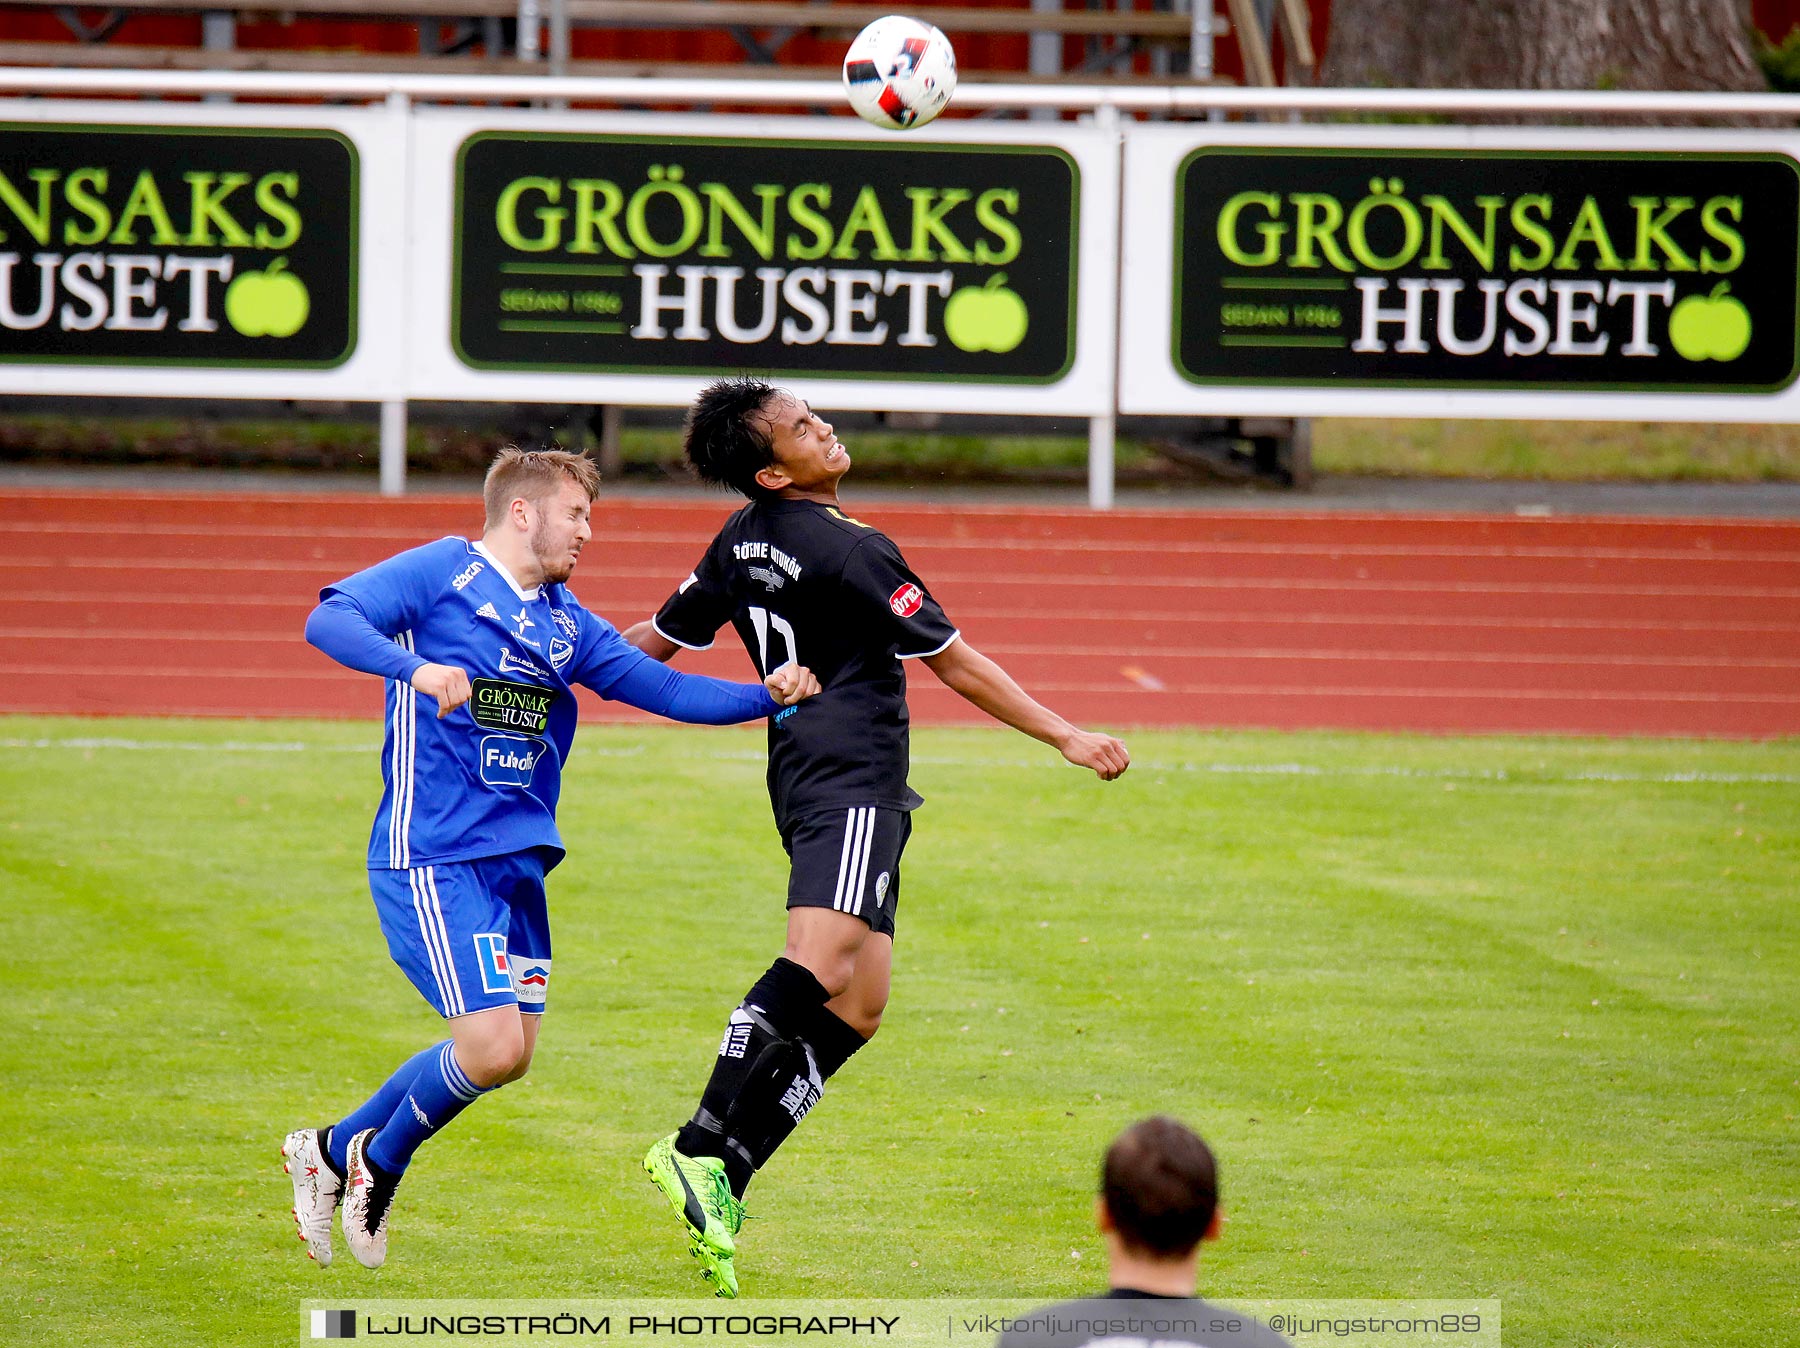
802	581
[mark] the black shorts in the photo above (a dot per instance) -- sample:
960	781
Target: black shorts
849	860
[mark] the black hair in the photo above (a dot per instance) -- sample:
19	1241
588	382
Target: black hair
1161	1186
726	434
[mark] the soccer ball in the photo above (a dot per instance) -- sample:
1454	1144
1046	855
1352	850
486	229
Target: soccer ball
899	73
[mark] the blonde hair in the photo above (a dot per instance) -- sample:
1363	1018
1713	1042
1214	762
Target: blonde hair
534	474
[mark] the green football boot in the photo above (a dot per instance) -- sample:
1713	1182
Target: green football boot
697	1189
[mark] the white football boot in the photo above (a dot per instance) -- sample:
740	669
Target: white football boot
367	1198
317	1191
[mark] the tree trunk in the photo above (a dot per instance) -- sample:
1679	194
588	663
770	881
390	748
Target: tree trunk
1541	44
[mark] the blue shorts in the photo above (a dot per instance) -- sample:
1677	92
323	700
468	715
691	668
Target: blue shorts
471	935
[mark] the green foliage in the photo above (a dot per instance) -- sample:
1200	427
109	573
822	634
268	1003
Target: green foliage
1534	450
1463	1018
1780	61
1558	451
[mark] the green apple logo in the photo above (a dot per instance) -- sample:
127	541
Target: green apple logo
1714	327
986	318
271	303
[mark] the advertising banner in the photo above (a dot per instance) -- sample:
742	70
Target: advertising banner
575	257
629	258
1489	267
617	253
1471	272
202	250
177	245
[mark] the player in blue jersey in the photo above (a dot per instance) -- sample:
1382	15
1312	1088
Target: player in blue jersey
481	644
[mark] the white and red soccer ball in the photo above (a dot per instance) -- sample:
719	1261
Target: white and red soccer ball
899	73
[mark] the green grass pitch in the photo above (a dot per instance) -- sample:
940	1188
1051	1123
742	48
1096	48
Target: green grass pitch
1461	1017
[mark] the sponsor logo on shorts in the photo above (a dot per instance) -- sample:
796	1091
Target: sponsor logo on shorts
881	888
906	600
490	956
531	980
467	574
508	761
522	708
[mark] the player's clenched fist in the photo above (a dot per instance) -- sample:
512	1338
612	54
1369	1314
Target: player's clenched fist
448	684
1107	756
791	684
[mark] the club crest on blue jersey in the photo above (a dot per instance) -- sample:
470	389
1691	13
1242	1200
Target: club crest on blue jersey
560	652
506	761
490	956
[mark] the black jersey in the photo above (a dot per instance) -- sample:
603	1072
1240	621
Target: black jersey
805	582
1124	1318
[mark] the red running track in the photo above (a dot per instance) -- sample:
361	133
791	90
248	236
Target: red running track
192	604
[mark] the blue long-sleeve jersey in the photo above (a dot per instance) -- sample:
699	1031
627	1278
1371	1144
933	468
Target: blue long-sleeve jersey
484	781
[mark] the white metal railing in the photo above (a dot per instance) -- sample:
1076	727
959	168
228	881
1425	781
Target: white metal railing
1167	99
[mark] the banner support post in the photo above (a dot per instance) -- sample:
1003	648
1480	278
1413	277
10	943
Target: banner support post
393	447
1103	427
393	407
1100	461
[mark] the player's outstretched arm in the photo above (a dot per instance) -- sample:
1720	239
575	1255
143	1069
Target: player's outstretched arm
788	685
650	641
967	671
629	676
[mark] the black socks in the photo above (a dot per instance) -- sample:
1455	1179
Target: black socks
778	1050
833	1042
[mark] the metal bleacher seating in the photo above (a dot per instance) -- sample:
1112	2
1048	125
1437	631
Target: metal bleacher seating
743	37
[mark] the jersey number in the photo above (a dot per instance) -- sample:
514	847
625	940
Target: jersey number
763	620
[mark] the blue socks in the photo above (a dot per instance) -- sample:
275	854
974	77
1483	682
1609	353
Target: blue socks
433	1083
379	1107
439	1092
